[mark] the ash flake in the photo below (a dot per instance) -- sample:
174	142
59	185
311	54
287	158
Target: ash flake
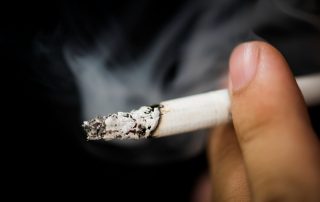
136	124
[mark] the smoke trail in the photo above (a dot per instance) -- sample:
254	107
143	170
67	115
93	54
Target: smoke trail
187	55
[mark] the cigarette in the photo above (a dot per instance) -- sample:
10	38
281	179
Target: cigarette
179	115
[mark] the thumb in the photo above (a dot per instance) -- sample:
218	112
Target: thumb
279	147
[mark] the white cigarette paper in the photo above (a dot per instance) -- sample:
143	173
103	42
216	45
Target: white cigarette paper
193	113
180	115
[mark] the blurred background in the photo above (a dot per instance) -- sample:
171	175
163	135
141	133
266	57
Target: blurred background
67	61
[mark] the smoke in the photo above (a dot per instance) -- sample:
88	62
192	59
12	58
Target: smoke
184	58
185	54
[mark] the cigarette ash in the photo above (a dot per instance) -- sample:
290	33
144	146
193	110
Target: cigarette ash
136	124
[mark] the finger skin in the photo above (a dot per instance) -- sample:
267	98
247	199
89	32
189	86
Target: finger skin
228	177
279	147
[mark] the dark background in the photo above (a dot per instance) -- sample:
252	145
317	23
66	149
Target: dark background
41	153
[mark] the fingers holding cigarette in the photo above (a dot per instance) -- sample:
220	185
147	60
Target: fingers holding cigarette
273	144
278	147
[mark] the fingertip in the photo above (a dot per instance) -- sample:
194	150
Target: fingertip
246	59
261	78
242	66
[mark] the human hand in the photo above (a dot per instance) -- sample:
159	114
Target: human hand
271	152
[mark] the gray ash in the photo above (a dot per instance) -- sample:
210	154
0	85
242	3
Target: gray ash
136	124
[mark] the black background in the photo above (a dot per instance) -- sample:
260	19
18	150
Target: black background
40	154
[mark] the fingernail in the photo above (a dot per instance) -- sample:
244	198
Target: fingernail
243	65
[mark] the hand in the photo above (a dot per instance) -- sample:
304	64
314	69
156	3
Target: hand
270	152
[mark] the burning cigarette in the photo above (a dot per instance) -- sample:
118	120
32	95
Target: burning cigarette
179	115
